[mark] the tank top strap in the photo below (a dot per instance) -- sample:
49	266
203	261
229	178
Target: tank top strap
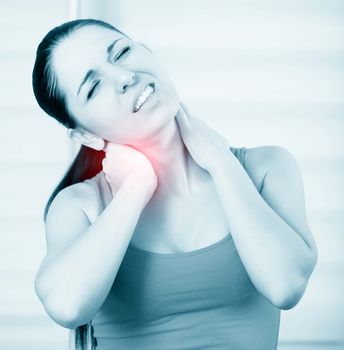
239	153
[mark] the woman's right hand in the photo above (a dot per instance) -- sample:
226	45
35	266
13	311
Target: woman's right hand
122	161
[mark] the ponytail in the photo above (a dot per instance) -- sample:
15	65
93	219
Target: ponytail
82	338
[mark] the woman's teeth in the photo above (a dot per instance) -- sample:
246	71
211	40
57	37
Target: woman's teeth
143	97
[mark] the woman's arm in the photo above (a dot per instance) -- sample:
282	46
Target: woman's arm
83	259
270	228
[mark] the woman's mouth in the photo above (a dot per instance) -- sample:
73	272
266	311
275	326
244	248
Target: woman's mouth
144	96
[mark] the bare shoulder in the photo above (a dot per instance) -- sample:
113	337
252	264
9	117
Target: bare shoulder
86	196
68	216
260	160
80	195
78	192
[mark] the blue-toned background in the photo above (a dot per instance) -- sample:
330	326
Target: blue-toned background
260	72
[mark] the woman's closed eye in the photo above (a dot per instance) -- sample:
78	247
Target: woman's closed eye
95	85
122	53
90	93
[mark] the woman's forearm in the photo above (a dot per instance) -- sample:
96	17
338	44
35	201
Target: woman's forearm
77	281
276	258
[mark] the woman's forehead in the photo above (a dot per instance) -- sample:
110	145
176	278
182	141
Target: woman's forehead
91	41
80	51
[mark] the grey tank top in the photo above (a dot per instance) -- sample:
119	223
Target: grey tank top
201	299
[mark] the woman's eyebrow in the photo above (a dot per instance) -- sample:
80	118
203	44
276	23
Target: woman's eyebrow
109	49
91	72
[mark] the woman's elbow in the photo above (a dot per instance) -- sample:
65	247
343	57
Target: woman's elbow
288	301
66	317
290	295
63	315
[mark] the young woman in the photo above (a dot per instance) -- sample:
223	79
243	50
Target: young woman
161	235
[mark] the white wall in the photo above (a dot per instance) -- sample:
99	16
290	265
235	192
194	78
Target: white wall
34	154
260	73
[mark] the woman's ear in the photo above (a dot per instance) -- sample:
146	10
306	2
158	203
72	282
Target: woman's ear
86	138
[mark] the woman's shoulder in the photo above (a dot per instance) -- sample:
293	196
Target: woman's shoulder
265	156
84	194
258	160
81	190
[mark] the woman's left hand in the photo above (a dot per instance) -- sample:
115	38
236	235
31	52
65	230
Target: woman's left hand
205	145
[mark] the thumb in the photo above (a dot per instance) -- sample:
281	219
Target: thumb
182	120
106	146
111	146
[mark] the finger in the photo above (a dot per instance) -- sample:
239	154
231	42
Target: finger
111	146
182	119
185	109
106	146
191	117
191	120
104	163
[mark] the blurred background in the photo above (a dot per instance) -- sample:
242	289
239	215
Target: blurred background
260	72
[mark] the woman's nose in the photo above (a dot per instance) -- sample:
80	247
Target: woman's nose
122	78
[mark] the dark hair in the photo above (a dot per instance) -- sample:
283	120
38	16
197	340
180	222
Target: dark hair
88	162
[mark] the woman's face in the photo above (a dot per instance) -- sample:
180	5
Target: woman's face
102	74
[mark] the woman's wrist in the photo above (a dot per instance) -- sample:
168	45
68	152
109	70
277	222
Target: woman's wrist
140	184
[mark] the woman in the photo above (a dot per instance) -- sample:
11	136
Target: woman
161	235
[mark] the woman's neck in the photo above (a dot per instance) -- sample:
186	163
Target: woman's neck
171	161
